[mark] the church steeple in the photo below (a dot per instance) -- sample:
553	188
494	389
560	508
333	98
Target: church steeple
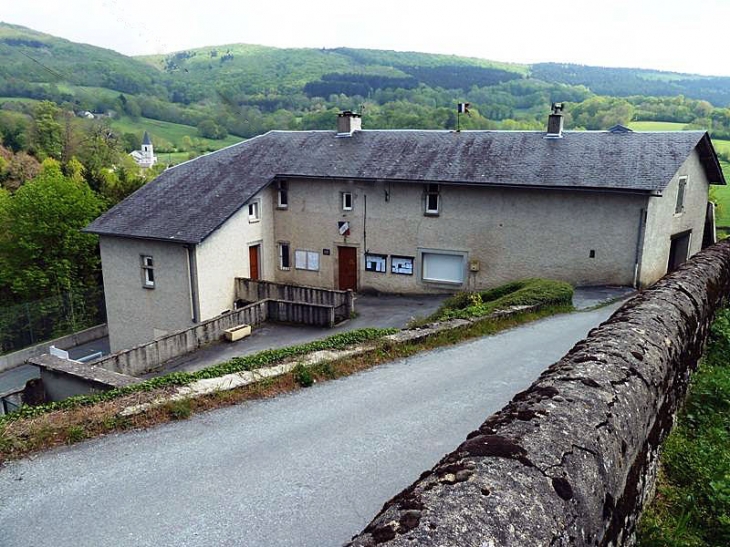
145	157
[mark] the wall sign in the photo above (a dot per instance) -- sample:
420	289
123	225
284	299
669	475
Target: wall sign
375	263
306	260
402	265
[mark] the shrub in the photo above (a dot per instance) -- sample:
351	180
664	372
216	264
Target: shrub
528	292
303	376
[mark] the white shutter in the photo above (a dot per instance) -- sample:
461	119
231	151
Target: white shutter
443	267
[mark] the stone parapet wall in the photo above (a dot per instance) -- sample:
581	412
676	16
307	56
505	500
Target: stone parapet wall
571	460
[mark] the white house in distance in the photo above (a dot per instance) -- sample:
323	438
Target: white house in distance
406	211
146	157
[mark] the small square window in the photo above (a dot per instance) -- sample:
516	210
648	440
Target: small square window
253	211
282	195
148	272
346	201
284	256
432	199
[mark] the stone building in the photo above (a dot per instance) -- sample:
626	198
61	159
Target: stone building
406	211
146	156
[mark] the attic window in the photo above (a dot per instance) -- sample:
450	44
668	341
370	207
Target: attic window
346	201
282	195
253	211
432	199
681	187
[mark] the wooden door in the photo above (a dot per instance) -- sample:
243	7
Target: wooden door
347	260
253	260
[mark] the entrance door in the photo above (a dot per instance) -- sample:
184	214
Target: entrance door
254	253
347	260
678	251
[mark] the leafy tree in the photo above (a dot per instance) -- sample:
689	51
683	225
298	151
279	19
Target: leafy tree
21	168
48	133
131	142
211	130
43	251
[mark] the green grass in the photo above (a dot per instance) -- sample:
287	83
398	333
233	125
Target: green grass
692	504
527	292
171	132
657	126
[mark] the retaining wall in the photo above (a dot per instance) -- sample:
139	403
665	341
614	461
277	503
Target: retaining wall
146	357
17	358
252	290
571	460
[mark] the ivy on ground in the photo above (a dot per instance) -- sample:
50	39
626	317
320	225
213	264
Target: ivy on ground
237	364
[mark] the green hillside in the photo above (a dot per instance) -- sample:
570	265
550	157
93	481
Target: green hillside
28	57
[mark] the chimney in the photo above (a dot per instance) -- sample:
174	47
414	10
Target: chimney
555	122
347	123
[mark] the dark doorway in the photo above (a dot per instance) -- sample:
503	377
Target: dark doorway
678	250
347	260
254	254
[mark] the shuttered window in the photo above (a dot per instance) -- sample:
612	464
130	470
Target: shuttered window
444	268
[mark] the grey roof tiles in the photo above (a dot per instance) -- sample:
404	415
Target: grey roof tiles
188	202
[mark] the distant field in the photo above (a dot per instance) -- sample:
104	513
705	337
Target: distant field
171	132
657	126
17	100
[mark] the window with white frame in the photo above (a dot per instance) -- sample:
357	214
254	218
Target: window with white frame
254	215
284	256
681	190
432	199
148	272
443	267
282	195
347	201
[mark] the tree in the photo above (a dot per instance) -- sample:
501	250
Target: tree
48	133
43	251
211	130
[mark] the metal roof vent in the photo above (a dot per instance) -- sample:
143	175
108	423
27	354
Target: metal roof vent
555	122
618	128
348	122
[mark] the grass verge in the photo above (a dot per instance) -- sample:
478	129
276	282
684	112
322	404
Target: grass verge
527	292
62	423
692	503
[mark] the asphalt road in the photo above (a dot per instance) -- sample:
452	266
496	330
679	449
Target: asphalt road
306	469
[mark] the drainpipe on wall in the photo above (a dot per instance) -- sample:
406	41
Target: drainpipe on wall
639	247
193	279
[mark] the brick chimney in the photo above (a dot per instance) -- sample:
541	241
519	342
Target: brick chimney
348	122
555	122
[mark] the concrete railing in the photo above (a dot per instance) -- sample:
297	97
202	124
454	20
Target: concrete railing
150	356
573	459
17	358
147	357
251	290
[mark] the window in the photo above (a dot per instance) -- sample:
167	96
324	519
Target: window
148	272
679	208
432	199
284	263
402	265
346	201
443	267
375	263
253	211
306	260
282	195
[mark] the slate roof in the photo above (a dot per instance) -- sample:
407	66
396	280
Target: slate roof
146	138
188	202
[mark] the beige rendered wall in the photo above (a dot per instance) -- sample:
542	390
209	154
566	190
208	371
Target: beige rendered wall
136	314
224	255
662	222
512	233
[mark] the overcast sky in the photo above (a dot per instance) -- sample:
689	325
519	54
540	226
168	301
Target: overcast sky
681	36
